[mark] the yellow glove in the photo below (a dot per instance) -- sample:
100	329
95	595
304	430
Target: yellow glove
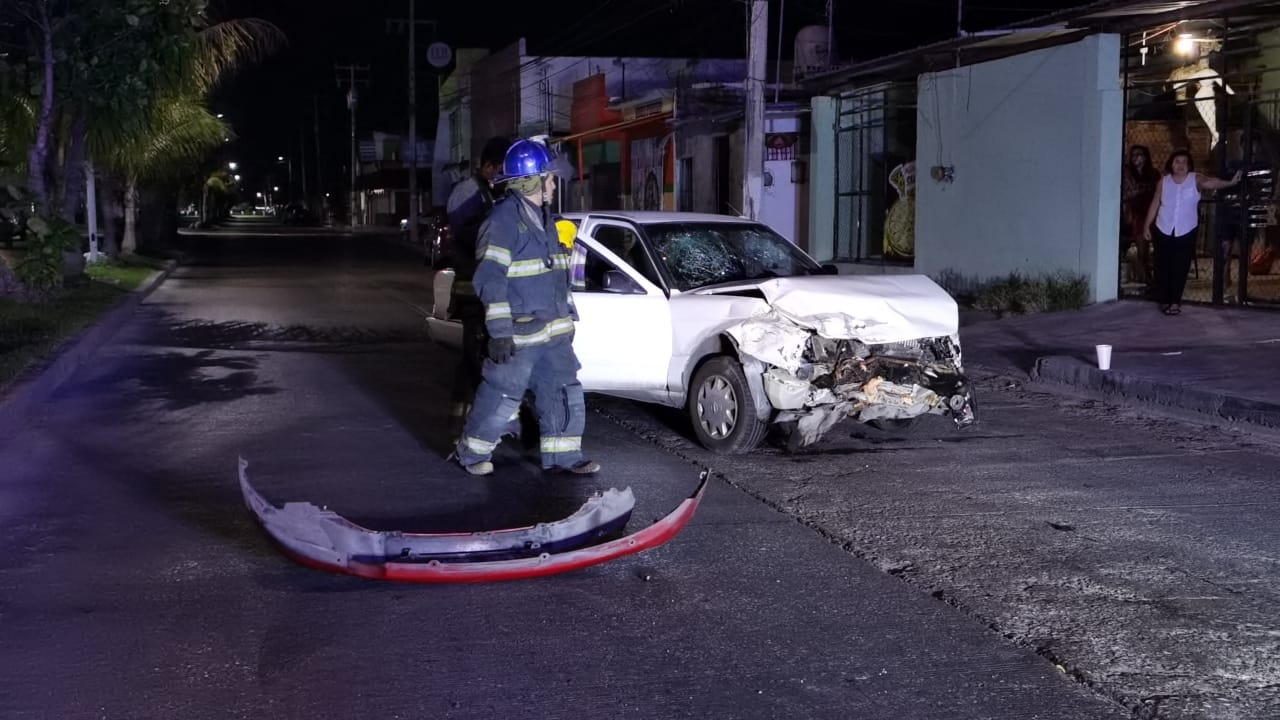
567	231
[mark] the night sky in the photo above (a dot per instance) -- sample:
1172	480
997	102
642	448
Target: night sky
272	106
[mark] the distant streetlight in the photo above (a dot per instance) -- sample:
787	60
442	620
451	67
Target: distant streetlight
236	178
275	188
220	116
280	159
232	166
259	194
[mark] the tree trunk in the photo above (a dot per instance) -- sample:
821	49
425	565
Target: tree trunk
110	193
129	245
38	156
73	186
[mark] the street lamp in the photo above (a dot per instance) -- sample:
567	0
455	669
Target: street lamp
289	163
232	166
236	178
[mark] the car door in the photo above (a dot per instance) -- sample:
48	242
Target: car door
623	337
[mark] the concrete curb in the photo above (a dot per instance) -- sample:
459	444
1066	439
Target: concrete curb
1077	373
40	383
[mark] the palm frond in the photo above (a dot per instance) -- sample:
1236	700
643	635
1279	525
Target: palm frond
225	47
17	130
180	133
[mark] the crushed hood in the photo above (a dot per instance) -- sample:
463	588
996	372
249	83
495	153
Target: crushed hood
871	309
874	309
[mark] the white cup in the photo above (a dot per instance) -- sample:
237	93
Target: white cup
1104	357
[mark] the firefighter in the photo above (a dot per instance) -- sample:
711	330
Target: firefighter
523	280
469	204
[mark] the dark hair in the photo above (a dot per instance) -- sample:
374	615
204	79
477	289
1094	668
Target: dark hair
1146	152
495	151
1168	165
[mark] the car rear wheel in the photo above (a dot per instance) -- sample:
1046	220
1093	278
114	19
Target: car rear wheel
721	409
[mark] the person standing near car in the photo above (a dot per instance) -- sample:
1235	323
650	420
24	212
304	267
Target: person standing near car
523	280
469	204
1174	211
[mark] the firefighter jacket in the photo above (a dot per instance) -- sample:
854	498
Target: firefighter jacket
522	275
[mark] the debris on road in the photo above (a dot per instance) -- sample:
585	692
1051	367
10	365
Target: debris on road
322	539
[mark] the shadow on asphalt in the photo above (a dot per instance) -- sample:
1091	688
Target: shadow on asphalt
184	380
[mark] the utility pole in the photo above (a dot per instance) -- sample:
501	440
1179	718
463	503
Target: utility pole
831	32
757	68
777	73
324	203
302	160
413	23
352	102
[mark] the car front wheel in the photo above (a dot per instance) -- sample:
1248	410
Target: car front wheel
722	410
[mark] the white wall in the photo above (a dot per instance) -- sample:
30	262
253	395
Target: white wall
785	204
1036	144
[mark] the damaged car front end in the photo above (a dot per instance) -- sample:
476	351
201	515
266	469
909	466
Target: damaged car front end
885	385
890	358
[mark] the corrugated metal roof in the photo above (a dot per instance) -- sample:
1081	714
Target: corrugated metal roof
1045	31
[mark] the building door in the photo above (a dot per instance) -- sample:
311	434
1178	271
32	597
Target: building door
606	186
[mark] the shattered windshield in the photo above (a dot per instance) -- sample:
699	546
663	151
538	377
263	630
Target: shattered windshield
700	254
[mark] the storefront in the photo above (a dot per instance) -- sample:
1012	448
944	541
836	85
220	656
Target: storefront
623	152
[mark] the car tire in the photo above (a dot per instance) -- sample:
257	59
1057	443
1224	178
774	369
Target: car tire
721	408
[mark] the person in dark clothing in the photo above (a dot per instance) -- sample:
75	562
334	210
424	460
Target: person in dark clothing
469	205
1138	185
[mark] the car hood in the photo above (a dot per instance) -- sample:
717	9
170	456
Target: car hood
873	309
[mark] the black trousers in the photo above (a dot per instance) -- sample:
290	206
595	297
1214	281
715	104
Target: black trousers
1174	254
466	378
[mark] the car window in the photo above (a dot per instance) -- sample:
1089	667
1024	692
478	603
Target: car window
701	254
594	266
625	243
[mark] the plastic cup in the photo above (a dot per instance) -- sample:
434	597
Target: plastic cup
1104	357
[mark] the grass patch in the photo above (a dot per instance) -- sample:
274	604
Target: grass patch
126	274
1018	295
30	331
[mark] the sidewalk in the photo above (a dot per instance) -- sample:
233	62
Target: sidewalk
1218	362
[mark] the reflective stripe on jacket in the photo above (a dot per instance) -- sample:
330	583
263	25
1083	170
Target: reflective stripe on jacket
522	275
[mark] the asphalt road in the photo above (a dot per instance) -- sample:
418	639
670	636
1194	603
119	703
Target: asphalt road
1056	562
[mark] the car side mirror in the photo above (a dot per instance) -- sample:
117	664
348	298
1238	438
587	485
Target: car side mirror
616	281
831	269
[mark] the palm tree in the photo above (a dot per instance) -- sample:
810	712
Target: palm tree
180	131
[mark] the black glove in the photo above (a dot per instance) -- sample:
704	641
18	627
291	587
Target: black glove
501	349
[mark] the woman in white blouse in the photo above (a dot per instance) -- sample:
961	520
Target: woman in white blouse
1175	213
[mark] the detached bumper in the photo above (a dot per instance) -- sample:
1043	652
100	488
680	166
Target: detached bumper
324	540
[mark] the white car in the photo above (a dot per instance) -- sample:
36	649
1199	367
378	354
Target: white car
724	317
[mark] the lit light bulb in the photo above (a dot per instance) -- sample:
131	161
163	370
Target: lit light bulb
1185	44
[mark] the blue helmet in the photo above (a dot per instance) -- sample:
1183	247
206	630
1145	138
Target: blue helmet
526	158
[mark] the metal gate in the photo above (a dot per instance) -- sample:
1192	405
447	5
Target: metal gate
875	132
1237	258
